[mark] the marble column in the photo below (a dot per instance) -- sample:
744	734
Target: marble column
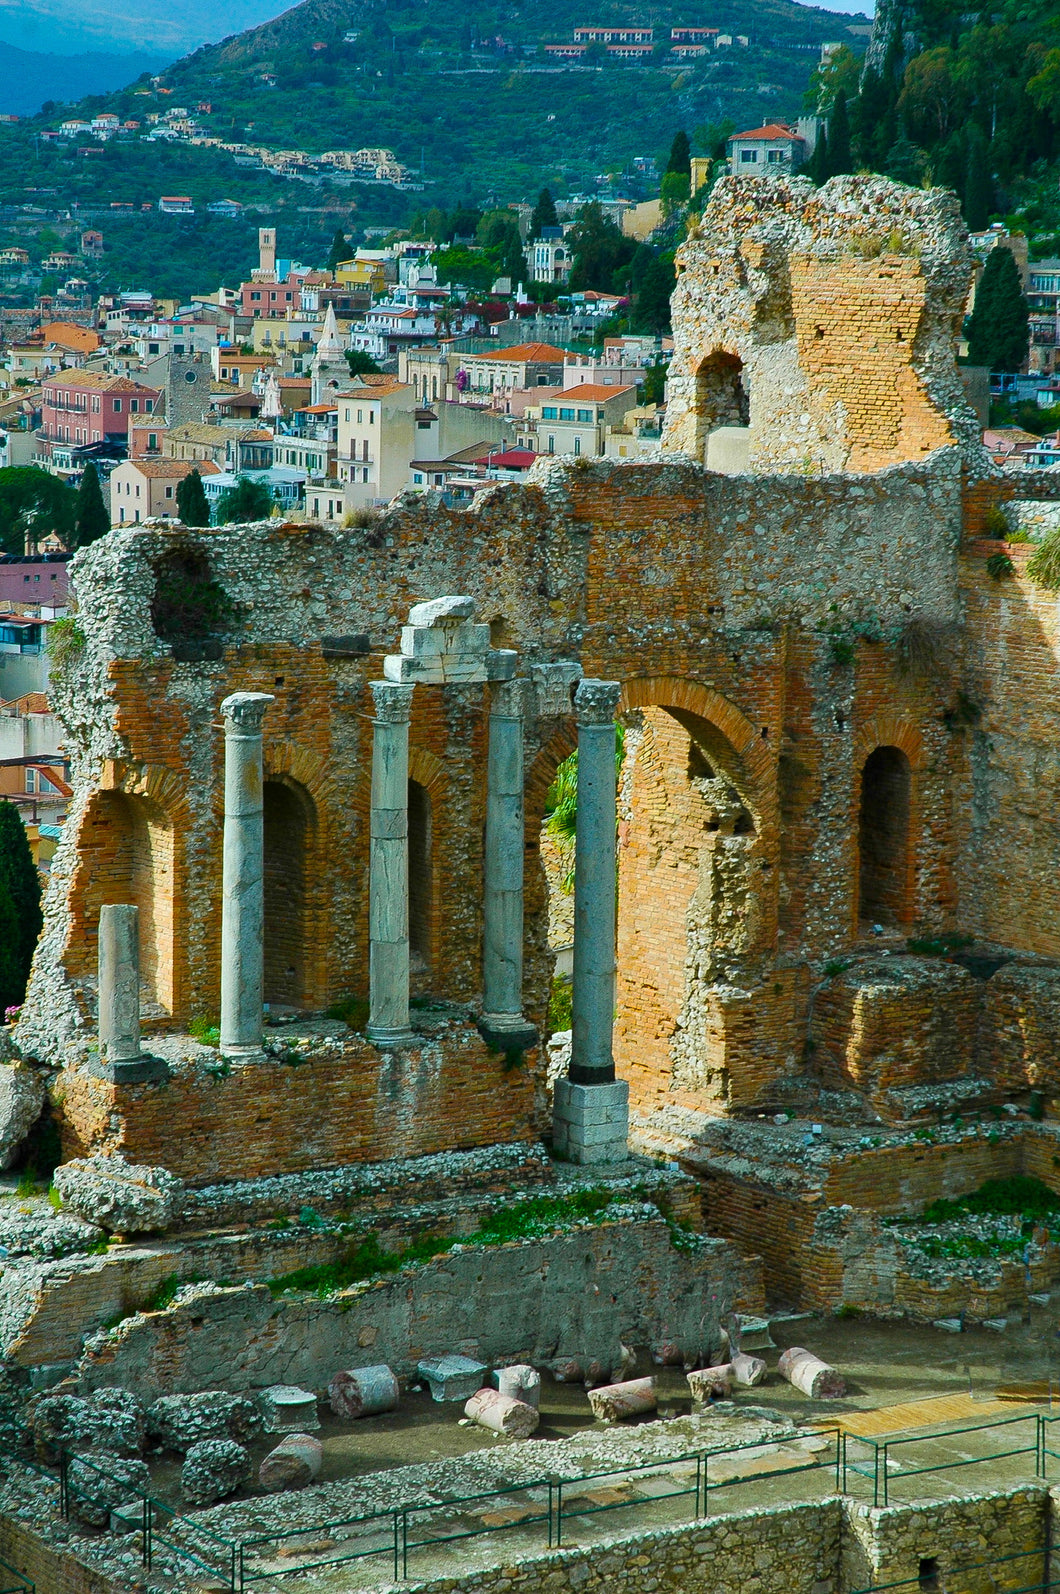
388	1018
591	1111
503	1024
120	1057
243	887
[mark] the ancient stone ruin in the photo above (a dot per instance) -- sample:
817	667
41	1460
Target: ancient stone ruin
293	992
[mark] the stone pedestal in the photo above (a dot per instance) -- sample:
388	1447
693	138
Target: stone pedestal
591	1128
243	900
590	1123
503	1025
120	1058
388	1019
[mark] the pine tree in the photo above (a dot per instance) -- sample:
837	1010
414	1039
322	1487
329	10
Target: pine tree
192	504
680	156
340	250
91	519
20	891
513	261
998	333
839	156
543	214
978	183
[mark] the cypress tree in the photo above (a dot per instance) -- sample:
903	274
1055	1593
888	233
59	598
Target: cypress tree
340	250
951	165
680	156
998	333
543	214
978	183
91	519
839	156
20	891
192	505
818	163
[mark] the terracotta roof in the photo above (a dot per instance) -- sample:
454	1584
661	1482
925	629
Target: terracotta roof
174	467
257	436
595	392
771	130
68	335
319	409
542	353
198	432
98	379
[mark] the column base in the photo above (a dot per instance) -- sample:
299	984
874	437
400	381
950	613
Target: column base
590	1123
241	1053
507	1032
389	1039
142	1070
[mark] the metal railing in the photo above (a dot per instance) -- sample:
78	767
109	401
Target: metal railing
541	1508
12	1581
933	1576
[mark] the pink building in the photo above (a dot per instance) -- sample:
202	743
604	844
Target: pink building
34	579
89	407
270	300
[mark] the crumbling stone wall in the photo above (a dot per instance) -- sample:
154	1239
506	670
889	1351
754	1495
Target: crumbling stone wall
832	313
772	632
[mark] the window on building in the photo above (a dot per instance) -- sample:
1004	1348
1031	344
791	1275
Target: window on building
417	477
585	415
371	417
31	780
364	474
169	492
566	414
117	406
577	445
134	406
552	445
774	157
255	295
548	412
749	157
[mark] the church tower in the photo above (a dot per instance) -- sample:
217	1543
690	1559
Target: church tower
329	371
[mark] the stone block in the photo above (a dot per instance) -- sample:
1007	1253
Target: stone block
212	1470
427	642
21	1099
363	1392
520	1382
295	1462
452	1377
590	1123
180	1422
111	1420
287	1409
121	1197
440	611
502	1414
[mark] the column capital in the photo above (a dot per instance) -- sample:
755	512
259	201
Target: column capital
508	699
244	711
595	702
393	702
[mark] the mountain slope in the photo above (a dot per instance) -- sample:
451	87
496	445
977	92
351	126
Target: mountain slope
158	27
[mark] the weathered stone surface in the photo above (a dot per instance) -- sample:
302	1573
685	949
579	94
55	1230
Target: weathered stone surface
121	1197
294	1463
747	1371
438	611
287	1409
503	1414
363	1392
451	1377
109	1420
180	1421
811	1375
615	1401
21	1099
213	1469
520	1382
711	1383
107	1483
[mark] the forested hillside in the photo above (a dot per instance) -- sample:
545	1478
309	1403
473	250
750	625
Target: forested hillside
968	100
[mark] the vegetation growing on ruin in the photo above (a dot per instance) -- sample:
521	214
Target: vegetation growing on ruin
66	642
525	1220
943	945
1043	566
1019	1196
190	607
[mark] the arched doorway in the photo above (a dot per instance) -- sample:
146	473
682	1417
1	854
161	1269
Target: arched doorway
289	826
723	412
126	844
884	884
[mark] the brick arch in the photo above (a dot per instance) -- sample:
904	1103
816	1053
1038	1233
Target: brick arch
542	772
166	789
691	697
306	769
890	730
428	771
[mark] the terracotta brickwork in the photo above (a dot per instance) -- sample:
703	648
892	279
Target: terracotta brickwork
841	732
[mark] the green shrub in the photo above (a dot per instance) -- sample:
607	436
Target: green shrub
999	565
938	946
559	1005
995	522
1043	566
352	1010
66	642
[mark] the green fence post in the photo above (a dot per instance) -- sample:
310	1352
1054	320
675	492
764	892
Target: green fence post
64	1485
397	1546
550	1508
886	1496
404	1544
559	1512
875	1474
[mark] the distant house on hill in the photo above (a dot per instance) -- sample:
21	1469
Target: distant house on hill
772	148
176	205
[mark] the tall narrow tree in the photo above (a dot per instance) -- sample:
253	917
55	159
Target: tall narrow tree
839	156
978	182
680	156
998	332
91	519
192	505
543	214
340	250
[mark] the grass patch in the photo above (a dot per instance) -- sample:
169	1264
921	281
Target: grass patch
205	1030
366	1259
1018	1197
836	966
1043	566
164	1295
